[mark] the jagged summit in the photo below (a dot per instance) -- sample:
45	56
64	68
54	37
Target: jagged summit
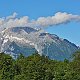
27	29
19	29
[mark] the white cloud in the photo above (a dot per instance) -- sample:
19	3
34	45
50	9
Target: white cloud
12	16
58	18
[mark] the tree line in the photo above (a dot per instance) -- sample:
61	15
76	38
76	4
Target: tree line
36	67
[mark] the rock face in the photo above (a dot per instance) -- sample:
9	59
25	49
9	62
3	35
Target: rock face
27	40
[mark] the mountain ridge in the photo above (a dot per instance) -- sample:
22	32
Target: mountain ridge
29	40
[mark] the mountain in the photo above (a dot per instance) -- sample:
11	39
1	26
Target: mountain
27	40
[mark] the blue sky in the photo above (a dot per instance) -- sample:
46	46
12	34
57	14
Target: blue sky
37	8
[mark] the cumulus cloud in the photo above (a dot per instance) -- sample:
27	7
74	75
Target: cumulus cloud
58	18
12	16
41	22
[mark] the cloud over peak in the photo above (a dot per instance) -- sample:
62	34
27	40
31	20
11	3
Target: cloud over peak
41	22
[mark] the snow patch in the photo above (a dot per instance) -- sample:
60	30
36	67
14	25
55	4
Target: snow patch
5	41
